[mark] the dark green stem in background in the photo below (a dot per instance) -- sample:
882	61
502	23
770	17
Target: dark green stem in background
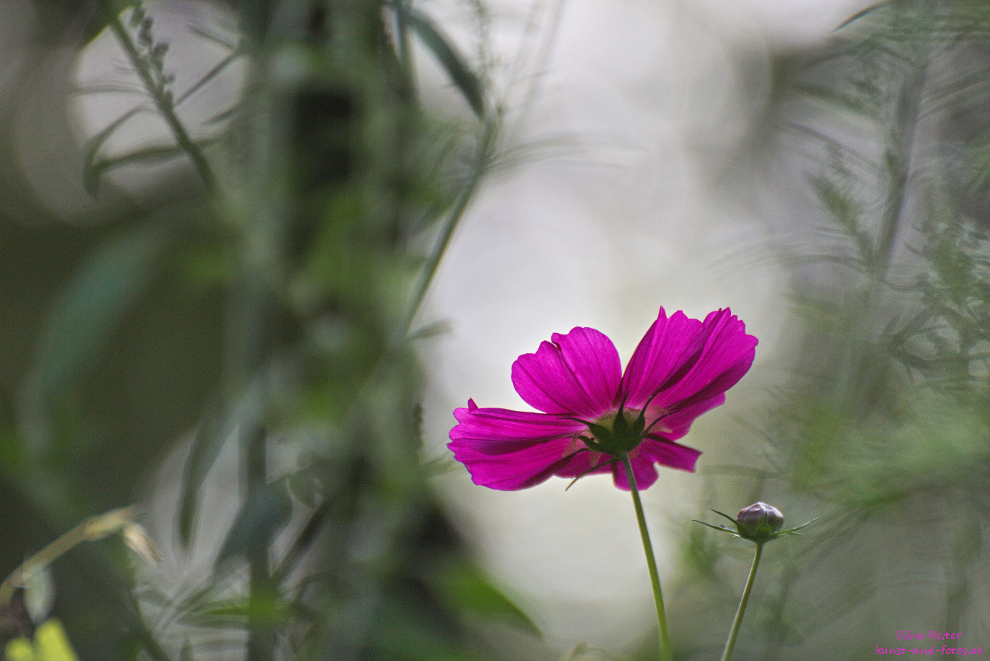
666	654
731	642
261	633
404	47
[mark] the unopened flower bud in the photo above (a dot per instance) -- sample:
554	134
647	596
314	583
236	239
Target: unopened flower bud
759	521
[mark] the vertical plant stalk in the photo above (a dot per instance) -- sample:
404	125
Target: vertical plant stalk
261	633
249	344
897	165
666	654
404	45
730	643
450	224
897	160
162	101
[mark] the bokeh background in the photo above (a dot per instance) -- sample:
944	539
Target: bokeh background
252	264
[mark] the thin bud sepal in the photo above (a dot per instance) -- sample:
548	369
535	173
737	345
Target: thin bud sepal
768	520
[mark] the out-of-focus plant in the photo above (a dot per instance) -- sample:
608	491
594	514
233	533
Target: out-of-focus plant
313	202
49	644
883	423
34	578
759	523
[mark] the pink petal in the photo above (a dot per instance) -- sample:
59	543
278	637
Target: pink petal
647	455
500	431
668	453
578	374
676	425
509	450
658	355
581	464
515	470
688	362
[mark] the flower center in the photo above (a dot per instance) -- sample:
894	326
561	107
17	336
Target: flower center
617	432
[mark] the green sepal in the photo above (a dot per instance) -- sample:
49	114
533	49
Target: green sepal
606	439
593	444
620	426
718	528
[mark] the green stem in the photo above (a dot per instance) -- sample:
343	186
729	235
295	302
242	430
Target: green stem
651	562
91	529
731	642
42	558
163	101
450	224
261	632
405	51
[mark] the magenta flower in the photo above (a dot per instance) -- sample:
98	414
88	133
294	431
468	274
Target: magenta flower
593	412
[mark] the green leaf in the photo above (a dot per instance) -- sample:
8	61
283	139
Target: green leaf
210	75
50	644
19	649
212	37
466	589
91	177
85	316
405	630
839	99
860	14
451	60
217	427
260	609
206	446
97	167
263	514
434	329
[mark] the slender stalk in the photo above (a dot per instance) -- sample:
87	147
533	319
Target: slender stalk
261	633
91	529
42	558
405	51
731	642
163	101
666	653
450	224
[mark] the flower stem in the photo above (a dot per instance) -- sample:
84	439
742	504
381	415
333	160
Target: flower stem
651	563
731	642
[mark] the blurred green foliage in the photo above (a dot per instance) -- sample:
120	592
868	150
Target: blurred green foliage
260	296
881	425
266	300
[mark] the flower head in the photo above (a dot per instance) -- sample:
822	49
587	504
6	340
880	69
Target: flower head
593	412
759	520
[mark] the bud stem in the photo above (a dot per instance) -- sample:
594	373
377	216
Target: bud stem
731	642
665	650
